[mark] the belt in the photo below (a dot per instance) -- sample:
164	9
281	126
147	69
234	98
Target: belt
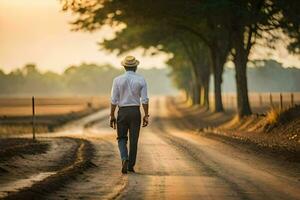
129	106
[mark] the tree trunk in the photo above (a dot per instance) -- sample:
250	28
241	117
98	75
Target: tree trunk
217	73
196	87
206	93
197	93
243	105
218	92
219	52
240	62
187	95
191	92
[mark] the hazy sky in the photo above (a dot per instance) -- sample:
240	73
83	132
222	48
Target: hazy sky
37	31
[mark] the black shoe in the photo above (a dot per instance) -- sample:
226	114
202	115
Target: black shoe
124	166
131	170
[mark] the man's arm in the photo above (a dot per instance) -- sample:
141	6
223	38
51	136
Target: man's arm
112	116
145	103
146	117
114	102
146	109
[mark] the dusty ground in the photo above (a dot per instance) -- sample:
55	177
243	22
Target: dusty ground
174	162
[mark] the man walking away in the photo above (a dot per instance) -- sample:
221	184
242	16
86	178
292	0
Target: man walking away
128	92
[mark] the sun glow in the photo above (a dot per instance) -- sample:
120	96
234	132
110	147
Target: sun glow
39	32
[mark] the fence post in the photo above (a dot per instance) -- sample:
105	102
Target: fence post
281	102
33	119
228	100
292	99
271	100
260	100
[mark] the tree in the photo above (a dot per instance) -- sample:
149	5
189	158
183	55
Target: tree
182	76
289	22
199	57
179	15
223	26
248	20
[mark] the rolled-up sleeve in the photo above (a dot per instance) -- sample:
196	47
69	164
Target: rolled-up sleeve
115	93
144	93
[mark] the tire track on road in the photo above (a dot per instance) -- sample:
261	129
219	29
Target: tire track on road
104	181
56	179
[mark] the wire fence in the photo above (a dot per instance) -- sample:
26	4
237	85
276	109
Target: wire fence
261	102
49	105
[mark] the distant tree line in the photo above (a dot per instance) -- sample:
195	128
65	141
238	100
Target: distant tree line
84	79
266	76
93	79
201	35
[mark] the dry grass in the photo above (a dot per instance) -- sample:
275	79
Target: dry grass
16	129
282	116
273	116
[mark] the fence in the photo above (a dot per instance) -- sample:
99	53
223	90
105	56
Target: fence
261	102
48	105
43	111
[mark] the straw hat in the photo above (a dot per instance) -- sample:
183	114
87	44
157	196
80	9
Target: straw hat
130	61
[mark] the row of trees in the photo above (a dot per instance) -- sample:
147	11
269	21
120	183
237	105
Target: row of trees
84	79
201	35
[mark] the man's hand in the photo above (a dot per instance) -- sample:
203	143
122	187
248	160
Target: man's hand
145	120
146	117
113	122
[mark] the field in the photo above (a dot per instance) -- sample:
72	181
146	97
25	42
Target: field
16	113
49	106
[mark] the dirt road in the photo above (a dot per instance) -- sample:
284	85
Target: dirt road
173	163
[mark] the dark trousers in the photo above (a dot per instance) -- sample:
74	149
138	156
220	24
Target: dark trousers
128	120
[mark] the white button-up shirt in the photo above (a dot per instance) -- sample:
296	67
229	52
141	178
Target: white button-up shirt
129	89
